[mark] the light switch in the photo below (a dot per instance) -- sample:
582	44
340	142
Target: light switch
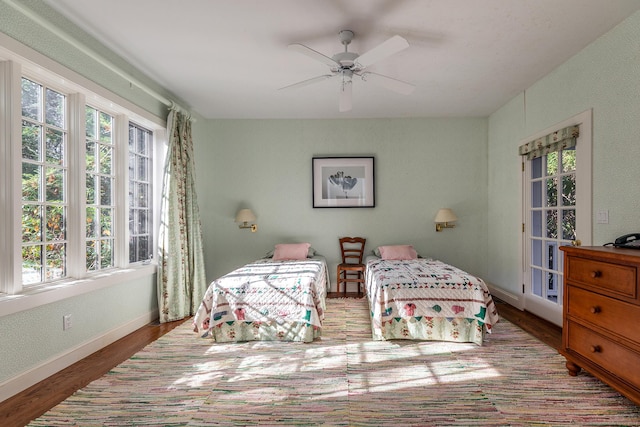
602	217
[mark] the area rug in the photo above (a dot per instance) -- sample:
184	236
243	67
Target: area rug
345	379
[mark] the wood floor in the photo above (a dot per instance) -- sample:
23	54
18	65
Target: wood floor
36	400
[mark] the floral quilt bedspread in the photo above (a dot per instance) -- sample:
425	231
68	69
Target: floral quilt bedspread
426	288
266	291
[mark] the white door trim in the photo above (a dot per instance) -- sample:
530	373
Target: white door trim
584	229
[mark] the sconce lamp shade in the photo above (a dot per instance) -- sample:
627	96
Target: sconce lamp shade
245	216
443	219
445	215
246	219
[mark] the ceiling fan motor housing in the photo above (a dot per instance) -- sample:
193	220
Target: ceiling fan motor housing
346	59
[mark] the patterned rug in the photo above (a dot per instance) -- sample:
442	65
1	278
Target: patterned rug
345	379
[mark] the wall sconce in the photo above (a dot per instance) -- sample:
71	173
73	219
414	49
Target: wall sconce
246	219
443	218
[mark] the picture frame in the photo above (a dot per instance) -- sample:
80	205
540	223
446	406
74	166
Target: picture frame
343	182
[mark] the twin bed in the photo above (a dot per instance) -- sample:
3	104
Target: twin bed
282	298
277	298
425	299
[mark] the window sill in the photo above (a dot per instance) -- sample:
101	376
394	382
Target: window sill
36	296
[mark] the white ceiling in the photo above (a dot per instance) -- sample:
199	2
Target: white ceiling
227	59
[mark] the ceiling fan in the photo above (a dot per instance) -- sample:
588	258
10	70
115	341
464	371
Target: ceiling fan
345	65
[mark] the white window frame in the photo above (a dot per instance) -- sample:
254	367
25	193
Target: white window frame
24	62
153	183
44	167
116	176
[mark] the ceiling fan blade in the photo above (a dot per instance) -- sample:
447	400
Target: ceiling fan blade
345	96
307	82
388	82
314	54
393	45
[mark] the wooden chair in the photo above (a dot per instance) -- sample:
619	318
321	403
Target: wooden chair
351	270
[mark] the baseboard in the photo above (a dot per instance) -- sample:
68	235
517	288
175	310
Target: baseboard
507	297
34	375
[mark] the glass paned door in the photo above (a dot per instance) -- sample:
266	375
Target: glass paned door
557	212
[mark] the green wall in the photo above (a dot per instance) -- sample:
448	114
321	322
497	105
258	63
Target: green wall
504	198
605	76
32	337
421	165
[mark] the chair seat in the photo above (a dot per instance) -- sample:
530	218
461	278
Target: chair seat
344	269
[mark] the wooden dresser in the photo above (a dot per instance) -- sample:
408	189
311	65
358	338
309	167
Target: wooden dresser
601	315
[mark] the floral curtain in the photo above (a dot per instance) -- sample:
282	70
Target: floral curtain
556	141
181	277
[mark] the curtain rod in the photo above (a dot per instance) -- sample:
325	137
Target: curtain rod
93	55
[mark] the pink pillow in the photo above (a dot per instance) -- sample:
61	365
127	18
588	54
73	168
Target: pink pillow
291	251
398	252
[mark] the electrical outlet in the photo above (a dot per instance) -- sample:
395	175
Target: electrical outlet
602	217
66	322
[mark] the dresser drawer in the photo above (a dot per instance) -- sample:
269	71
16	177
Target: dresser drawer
604	277
615	315
608	354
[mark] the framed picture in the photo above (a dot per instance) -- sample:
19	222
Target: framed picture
343	182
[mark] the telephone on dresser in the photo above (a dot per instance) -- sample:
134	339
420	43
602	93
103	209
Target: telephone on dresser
627	241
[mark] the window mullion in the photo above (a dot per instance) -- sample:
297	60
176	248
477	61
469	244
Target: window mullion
121	190
77	187
10	177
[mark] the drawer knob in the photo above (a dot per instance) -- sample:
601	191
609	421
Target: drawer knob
596	273
595	349
595	309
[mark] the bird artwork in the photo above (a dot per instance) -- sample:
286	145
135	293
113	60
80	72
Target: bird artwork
345	183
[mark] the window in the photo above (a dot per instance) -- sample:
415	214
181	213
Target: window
72	178
140	193
100	208
44	183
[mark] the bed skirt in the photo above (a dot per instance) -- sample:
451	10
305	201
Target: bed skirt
265	331
429	329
